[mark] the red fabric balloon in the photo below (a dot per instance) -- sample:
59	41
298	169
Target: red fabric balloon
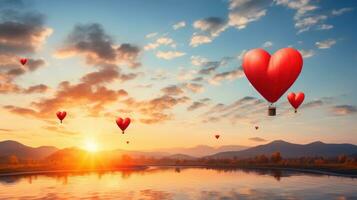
272	75
23	61
61	115
296	99
256	127
123	123
217	136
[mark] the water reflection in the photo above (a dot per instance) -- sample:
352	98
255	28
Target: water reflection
178	183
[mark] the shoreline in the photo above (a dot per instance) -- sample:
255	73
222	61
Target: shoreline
144	167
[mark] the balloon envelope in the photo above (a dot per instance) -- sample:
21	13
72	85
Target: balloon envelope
272	75
123	123
296	99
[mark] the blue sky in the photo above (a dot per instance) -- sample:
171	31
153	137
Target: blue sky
174	42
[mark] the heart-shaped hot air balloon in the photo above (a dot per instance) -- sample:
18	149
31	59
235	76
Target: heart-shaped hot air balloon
123	123
272	75
61	115
127	142
23	61
256	127
216	136
296	99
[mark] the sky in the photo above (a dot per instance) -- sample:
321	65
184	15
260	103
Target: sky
174	68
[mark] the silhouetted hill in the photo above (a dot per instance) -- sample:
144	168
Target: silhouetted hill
181	157
290	150
10	147
202	150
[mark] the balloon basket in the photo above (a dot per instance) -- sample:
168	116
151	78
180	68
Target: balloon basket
272	111
295	111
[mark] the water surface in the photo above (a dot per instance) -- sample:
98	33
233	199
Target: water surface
179	183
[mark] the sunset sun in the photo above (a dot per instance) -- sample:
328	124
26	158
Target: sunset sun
91	146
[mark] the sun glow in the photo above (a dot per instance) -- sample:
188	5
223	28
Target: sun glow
91	146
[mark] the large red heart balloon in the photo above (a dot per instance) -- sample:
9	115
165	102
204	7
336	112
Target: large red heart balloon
272	75
123	123
296	99
61	115
23	61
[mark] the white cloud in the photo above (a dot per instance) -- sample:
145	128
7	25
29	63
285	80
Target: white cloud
197	40
267	44
198	60
179	25
306	23
341	11
168	55
243	12
326	44
240	56
307	53
151	35
230	75
325	27
160	41
212	25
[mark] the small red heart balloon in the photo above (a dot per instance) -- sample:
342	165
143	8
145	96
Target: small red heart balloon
272	75
127	142
296	99
123	123
23	61
61	115
256	127
217	136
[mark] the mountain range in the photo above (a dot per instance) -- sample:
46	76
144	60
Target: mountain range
287	150
290	150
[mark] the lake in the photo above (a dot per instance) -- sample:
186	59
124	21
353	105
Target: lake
178	183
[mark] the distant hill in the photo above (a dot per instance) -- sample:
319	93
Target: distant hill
290	150
202	150
10	147
181	157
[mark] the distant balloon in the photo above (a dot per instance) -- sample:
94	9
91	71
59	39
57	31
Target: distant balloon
127	142
61	115
296	99
23	61
256	127
216	136
272	75
123	123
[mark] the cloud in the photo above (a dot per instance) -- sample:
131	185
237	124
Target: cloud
304	19
326	44
341	11
312	104
195	105
179	25
166	41
247	110
157	109
168	55
325	27
41	88
20	33
91	41
306	23
267	44
172	90
342	110
61	130
90	94
151	35
208	28
257	139
211	25
229	75
307	53
198	39
198	60
243	12
193	87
